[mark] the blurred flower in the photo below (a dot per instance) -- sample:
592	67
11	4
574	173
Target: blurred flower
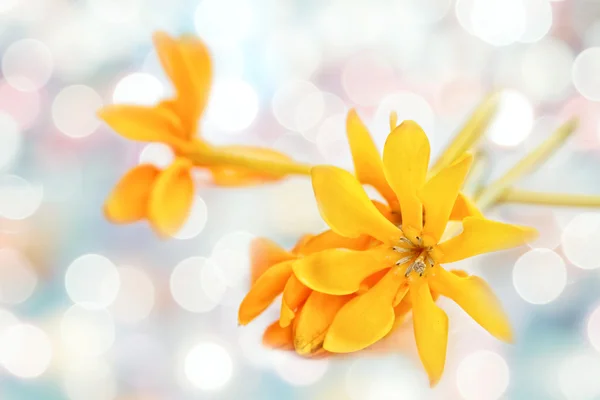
165	197
409	256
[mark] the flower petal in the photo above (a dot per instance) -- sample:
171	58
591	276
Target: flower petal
368	166
128	202
187	63
405	160
431	330
346	208
366	318
265	253
341	271
146	124
481	235
464	207
314	319
301	243
171	198
439	196
475	296
278	337
331	240
264	291
295	294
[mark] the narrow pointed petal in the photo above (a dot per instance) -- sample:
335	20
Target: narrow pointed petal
128	202
341	271
265	253
187	63
366	318
481	235
431	330
314	320
145	124
405	160
439	196
301	243
295	294
367	160
171	198
264	291
475	296
346	208
278	337
331	240
464	207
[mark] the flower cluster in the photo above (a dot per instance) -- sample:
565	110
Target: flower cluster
346	289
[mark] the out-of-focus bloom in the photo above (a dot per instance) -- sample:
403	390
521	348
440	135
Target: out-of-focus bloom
165	197
410	255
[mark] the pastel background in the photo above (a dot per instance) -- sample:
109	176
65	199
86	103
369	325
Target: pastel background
94	311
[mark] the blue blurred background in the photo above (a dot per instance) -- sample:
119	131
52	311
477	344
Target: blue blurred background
93	311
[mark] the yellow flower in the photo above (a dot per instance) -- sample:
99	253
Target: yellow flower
165	197
410	253
305	315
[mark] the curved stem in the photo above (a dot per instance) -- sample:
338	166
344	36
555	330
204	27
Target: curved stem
214	156
550	199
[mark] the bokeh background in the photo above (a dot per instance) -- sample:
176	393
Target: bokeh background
93	311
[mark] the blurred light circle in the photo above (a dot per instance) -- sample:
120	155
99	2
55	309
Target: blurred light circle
577	377
292	54
593	328
384	378
26	351
17	277
7	5
250	342
332	105
585	73
463	10
498	22
539	276
19	199
208	366
231	254
299	371
138	88
27	64
116	10
74	111
195	222
367	78
87	332
10	139
424	11
7	319
332	142
157	154
580	240
547	69
538	20
92	281
196	284
408	106
292	100
362	24
513	121
90	380
482	375
23	107
233	105
224	22
135	298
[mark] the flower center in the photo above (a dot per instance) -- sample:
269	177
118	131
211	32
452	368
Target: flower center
416	255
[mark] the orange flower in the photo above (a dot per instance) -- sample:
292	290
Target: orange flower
305	315
165	197
410	254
